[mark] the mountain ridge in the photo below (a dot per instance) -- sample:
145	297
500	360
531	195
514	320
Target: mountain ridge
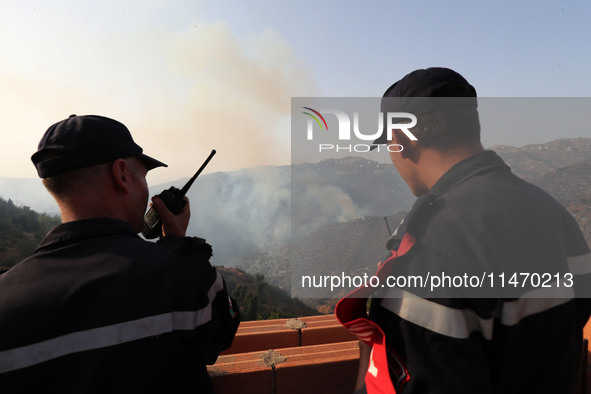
535	160
251	219
252	209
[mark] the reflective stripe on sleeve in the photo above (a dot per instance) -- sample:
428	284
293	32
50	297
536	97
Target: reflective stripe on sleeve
534	301
460	323
451	322
116	334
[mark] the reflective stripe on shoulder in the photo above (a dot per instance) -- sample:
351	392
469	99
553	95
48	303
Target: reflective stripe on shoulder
580	265
451	322
116	334
532	302
460	323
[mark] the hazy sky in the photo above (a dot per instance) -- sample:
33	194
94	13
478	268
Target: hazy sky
189	76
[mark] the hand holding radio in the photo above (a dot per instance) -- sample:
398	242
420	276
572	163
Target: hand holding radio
174	199
172	224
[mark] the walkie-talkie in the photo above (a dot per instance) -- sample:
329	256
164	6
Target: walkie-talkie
173	199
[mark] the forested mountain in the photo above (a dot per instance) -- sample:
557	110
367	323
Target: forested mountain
259	300
21	230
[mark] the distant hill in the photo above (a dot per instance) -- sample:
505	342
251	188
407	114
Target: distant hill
571	186
534	161
353	247
259	300
21	230
568	183
28	192
580	208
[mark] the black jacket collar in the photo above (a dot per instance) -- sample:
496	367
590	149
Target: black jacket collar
478	163
87	228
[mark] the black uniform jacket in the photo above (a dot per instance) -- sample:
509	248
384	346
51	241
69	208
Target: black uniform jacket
98	309
480	219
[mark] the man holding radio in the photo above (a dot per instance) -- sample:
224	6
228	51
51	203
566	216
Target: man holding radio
97	308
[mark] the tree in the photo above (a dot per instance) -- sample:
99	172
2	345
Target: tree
247	302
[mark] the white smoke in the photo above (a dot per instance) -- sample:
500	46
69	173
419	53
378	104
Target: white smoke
181	92
256	208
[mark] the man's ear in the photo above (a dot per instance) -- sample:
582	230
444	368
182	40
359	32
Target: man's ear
121	175
409	148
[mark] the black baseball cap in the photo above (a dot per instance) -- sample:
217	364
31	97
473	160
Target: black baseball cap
83	141
416	93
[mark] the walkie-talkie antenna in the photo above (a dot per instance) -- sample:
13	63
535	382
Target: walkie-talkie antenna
173	198
387	225
188	185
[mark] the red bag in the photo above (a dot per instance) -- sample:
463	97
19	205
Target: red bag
386	372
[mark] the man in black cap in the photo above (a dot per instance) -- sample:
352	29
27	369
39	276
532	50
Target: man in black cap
97	308
473	216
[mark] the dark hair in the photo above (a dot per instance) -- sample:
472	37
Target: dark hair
448	129
62	186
